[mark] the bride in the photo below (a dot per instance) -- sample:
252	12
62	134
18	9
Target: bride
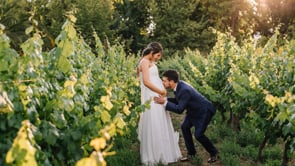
158	140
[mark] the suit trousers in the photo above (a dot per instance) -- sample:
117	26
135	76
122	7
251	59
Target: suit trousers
200	123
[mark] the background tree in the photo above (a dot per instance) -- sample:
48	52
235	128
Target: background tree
176	24
13	15
270	14
175	27
93	15
228	15
180	24
131	22
48	17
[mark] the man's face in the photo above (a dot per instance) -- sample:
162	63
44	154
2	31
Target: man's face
166	82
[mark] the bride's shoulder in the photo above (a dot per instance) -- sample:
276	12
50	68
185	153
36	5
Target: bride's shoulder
144	62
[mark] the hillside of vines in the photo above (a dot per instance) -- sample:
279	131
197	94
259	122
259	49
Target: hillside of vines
68	105
248	83
64	106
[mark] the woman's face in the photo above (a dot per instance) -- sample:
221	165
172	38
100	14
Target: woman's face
157	56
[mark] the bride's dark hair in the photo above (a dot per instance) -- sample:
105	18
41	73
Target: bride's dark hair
154	48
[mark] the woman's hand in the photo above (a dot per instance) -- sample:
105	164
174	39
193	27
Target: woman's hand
163	93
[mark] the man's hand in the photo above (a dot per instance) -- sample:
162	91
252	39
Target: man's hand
160	99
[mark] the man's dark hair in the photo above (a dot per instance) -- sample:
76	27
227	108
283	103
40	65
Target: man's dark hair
171	75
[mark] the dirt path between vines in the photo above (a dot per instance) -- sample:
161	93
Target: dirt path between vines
177	119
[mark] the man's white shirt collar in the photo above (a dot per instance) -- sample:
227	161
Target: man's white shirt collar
175	88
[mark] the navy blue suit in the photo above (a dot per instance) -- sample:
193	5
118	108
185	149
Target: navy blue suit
199	112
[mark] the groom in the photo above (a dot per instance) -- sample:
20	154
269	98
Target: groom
199	113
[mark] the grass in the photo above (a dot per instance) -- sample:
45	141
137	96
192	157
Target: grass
127	150
236	149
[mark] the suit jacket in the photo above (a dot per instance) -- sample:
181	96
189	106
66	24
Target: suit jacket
188	98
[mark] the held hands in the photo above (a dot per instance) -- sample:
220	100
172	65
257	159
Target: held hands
160	99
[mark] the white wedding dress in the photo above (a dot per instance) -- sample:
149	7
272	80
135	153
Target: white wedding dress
158	140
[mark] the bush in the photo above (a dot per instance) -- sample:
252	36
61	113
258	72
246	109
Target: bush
273	153
249	136
229	147
250	152
229	159
273	162
223	132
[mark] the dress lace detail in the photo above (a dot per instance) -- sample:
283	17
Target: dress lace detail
158	140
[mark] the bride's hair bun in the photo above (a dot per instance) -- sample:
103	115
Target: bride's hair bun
154	47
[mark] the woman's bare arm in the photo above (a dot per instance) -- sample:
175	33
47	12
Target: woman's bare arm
144	67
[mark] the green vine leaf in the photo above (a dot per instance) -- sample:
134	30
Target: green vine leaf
23	151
